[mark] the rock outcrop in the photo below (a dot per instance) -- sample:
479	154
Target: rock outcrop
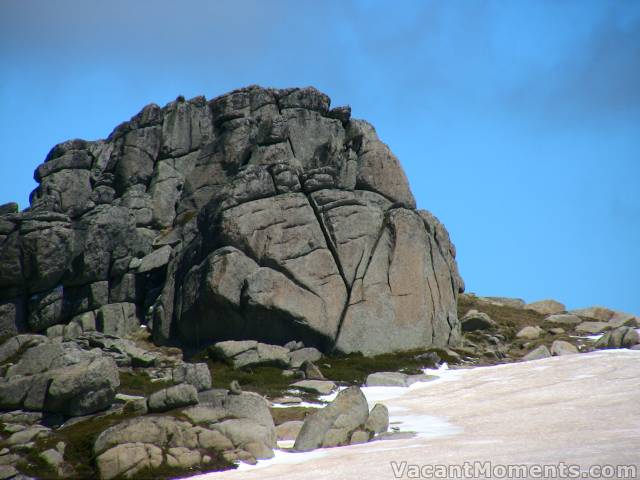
262	214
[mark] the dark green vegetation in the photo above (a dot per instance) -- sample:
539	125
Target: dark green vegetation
353	369
267	381
139	383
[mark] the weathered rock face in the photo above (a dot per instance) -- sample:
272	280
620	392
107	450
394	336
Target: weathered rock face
262	214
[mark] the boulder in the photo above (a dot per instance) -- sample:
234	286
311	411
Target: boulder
45	309
546	307
229	349
311	371
323	387
601	314
395	379
248	405
83	388
378	421
132	403
127	459
205	414
568	319
196	374
289	430
58	378
561	347
173	397
118	319
244	431
475	320
624	320
529	333
359	436
538	353
334	424
157	259
593	328
298	357
242	354
505	301
13	317
621	337
163	432
184	458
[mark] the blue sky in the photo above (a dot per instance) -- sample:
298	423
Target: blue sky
517	122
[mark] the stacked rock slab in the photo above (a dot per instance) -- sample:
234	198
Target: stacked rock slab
262	214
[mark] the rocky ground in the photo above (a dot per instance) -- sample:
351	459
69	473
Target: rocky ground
83	403
578	410
261	214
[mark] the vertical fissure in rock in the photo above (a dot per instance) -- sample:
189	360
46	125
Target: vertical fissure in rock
329	241
293	151
433	303
433	269
347	303
375	245
450	330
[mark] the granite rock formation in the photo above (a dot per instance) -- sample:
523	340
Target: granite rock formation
262	214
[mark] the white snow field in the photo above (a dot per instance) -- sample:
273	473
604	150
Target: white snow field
575	410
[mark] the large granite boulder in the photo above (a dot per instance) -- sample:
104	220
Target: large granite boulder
262	214
344	421
56	377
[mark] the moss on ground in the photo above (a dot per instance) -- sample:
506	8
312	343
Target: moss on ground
139	383
267	381
353	369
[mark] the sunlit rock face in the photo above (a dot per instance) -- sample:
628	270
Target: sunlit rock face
261	214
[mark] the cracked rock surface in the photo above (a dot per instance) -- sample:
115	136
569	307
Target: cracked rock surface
262	214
